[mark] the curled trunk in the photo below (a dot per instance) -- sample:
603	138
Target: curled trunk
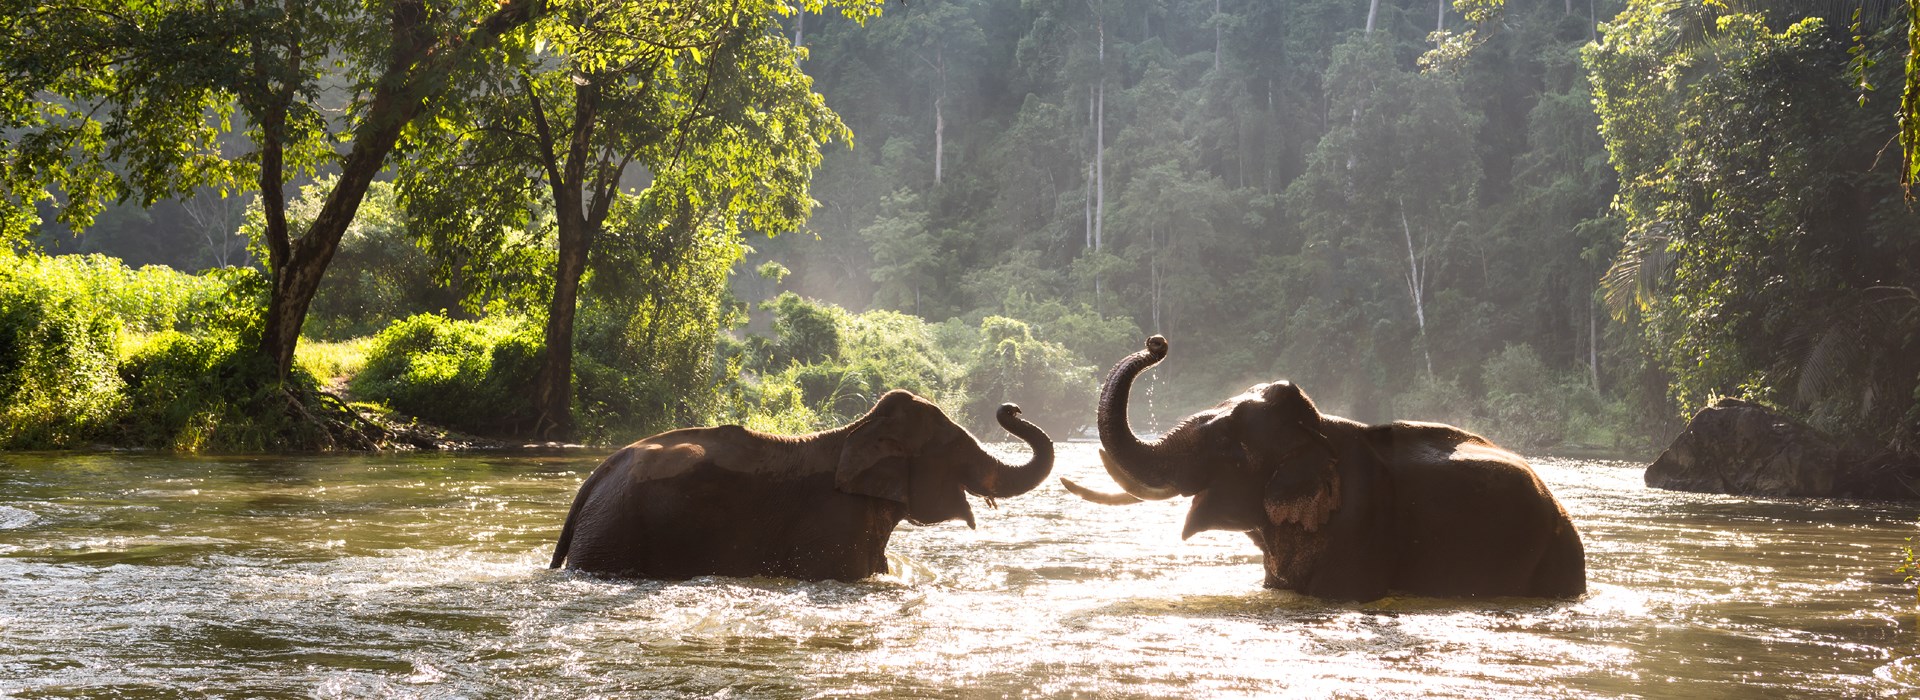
1141	468
999	479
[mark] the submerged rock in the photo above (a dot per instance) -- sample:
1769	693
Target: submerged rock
1740	447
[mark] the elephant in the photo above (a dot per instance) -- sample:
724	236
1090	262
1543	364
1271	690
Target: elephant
1343	510
730	501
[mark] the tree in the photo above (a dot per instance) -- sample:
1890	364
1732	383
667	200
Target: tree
712	107
1764	256
117	101
943	37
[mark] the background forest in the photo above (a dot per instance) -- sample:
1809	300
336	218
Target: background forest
1560	225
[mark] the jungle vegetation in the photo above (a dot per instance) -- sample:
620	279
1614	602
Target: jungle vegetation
1557	223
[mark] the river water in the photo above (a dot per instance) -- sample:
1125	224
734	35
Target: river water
424	576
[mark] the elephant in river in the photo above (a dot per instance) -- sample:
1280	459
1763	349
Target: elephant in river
1345	510
730	501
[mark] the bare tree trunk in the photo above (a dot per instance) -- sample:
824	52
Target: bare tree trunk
1217	34
1416	288
1100	154
1593	344
1373	10
939	119
1153	279
216	220
1089	188
800	27
1439	17
1100	146
576	219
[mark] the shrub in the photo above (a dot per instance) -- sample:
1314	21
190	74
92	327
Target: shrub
1523	407
473	376
57	352
208	388
1011	366
853	360
211	392
1093	338
805	331
63	322
1437	400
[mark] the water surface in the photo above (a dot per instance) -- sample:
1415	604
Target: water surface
424	576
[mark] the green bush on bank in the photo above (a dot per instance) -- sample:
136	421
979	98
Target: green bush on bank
212	392
824	367
58	346
474	376
1011	365
1523	405
65	321
92	351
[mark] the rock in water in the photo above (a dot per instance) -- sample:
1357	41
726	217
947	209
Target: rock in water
1740	447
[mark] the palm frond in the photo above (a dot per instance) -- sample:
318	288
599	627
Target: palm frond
1630	282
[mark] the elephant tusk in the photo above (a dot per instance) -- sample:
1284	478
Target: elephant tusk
1133	486
1100	497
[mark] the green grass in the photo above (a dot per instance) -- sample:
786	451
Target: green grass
333	361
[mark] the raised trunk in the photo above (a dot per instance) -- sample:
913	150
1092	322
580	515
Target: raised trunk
1002	480
1138	467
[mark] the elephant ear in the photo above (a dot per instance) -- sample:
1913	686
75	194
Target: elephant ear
1305	486
872	463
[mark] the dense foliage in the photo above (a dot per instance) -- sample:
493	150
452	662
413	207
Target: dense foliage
1765	255
1551	223
93	352
818	366
1280	191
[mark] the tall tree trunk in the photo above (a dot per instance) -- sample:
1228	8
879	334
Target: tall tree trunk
1416	288
1089	197
298	277
1593	343
939	118
1217	35
1100	145
1373	10
1439	18
800	27
553	385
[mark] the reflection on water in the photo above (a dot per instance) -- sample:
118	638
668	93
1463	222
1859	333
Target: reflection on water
424	576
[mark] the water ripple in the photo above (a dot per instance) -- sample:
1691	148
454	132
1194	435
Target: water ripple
424	575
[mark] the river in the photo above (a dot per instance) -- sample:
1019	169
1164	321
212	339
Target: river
144	575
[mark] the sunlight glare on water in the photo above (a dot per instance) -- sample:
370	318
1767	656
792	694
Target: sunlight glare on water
425	576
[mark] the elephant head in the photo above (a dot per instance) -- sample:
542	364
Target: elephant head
1257	458
906	450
